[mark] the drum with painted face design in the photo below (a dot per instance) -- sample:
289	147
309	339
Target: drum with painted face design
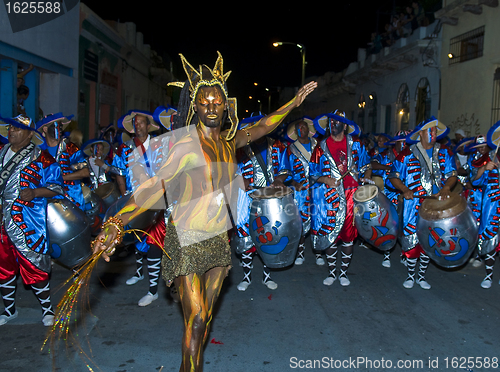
375	217
447	230
275	225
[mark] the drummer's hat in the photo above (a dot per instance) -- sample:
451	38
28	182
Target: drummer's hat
479	141
414	136
54	118
493	135
322	123
165	116
464	142
22	122
291	132
252	119
399	137
87	146
127	121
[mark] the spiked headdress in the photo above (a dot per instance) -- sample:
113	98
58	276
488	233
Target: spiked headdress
207	77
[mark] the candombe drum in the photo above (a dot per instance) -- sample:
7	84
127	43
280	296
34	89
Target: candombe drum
375	217
141	222
94	209
275	225
109	194
69	233
447	230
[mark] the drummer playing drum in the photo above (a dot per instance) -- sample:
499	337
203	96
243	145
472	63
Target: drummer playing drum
335	165
424	168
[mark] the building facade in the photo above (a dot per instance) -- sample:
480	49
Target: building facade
470	65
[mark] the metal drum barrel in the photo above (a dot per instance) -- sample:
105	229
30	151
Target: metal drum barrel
109	194
69	232
141	222
447	230
275	225
375	217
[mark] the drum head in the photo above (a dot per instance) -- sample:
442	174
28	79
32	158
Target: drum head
271	192
365	193
434	209
105	190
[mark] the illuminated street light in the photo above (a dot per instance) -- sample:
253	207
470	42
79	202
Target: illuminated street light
302	49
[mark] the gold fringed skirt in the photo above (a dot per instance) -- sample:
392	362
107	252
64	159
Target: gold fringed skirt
200	252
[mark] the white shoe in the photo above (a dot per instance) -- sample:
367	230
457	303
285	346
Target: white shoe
5	318
423	284
48	320
243	286
320	261
134	279
486	283
270	284
146	300
408	283
386	263
329	280
477	263
299	261
344	281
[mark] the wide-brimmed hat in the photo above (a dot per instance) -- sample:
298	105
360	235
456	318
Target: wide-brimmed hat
399	137
414	135
52	118
321	123
464	142
291	130
87	146
23	122
126	121
252	119
493	135
165	116
479	141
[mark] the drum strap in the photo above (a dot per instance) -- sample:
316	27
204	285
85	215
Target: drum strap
258	156
12	164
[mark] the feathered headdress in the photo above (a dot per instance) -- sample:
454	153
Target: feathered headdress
207	77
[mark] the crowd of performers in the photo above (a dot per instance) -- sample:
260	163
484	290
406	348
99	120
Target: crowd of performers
323	160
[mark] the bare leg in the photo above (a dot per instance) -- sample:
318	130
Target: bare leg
198	294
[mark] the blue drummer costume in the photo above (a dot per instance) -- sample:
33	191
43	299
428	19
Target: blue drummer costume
66	153
136	162
423	172
270	153
485	174
24	241
386	158
296	161
332	207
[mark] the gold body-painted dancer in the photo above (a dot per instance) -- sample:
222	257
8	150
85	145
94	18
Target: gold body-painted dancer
202	163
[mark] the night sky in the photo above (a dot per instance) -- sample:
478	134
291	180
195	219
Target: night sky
331	34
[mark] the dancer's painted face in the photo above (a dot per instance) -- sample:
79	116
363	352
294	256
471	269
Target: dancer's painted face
336	127
210	105
430	135
302	129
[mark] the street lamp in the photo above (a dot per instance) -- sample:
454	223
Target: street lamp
302	49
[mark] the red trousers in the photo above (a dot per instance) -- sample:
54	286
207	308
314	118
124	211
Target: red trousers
12	262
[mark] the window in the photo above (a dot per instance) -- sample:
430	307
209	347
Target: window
361	112
466	46
423	106
372	112
403	106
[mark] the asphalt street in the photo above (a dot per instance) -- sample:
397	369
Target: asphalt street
375	324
